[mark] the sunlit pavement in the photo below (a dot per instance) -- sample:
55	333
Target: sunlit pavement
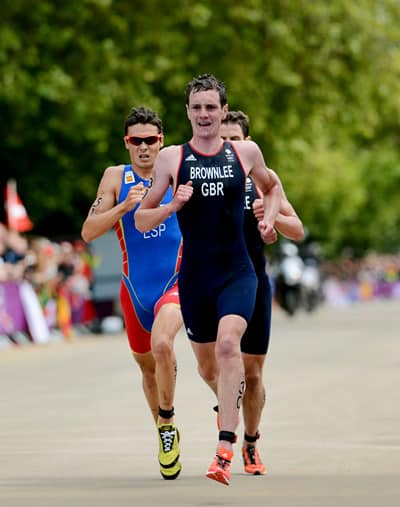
75	429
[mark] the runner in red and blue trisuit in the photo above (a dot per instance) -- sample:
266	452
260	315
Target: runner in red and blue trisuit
150	265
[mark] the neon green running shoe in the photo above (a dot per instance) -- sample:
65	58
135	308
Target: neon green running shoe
169	452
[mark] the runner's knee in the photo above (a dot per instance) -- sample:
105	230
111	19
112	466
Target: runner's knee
227	347
253	378
208	373
162	347
146	364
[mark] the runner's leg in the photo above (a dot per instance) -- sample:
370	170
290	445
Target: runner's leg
166	325
147	366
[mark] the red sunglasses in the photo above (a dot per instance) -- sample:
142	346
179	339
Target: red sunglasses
137	141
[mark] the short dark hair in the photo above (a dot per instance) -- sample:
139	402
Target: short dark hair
206	82
143	115
240	118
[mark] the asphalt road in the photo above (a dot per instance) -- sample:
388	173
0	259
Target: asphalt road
75	429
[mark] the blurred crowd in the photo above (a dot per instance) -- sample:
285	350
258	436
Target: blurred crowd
350	280
61	274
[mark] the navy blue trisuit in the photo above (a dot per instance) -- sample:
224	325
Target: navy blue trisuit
256	337
216	276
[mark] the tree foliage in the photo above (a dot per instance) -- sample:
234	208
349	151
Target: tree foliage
319	80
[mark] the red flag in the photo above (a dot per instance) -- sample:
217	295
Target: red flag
17	217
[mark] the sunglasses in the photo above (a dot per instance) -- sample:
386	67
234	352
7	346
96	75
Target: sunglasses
137	141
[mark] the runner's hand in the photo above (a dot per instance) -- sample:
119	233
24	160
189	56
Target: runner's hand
182	195
258	208
135	195
268	233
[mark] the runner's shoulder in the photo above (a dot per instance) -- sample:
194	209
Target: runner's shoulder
112	176
245	146
114	170
170	154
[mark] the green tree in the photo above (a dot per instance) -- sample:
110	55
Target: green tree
319	80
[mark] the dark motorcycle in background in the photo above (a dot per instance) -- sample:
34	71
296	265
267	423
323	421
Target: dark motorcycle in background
297	278
287	274
311	285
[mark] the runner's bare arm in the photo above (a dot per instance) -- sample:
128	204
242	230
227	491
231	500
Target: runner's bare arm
150	214
287	221
269	184
104	212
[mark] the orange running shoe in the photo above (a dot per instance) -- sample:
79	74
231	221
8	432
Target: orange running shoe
219	469
252	462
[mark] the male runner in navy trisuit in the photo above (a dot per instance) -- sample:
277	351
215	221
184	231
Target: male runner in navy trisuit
255	341
217	282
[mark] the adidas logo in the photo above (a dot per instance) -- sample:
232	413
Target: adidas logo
191	157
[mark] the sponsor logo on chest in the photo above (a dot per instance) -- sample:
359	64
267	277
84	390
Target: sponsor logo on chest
129	177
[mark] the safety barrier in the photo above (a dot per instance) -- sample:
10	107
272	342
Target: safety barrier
23	318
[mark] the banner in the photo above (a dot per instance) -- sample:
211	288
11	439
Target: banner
12	313
37	325
17	217
20	310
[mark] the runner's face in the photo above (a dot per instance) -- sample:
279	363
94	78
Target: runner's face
231	132
205	113
143	156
